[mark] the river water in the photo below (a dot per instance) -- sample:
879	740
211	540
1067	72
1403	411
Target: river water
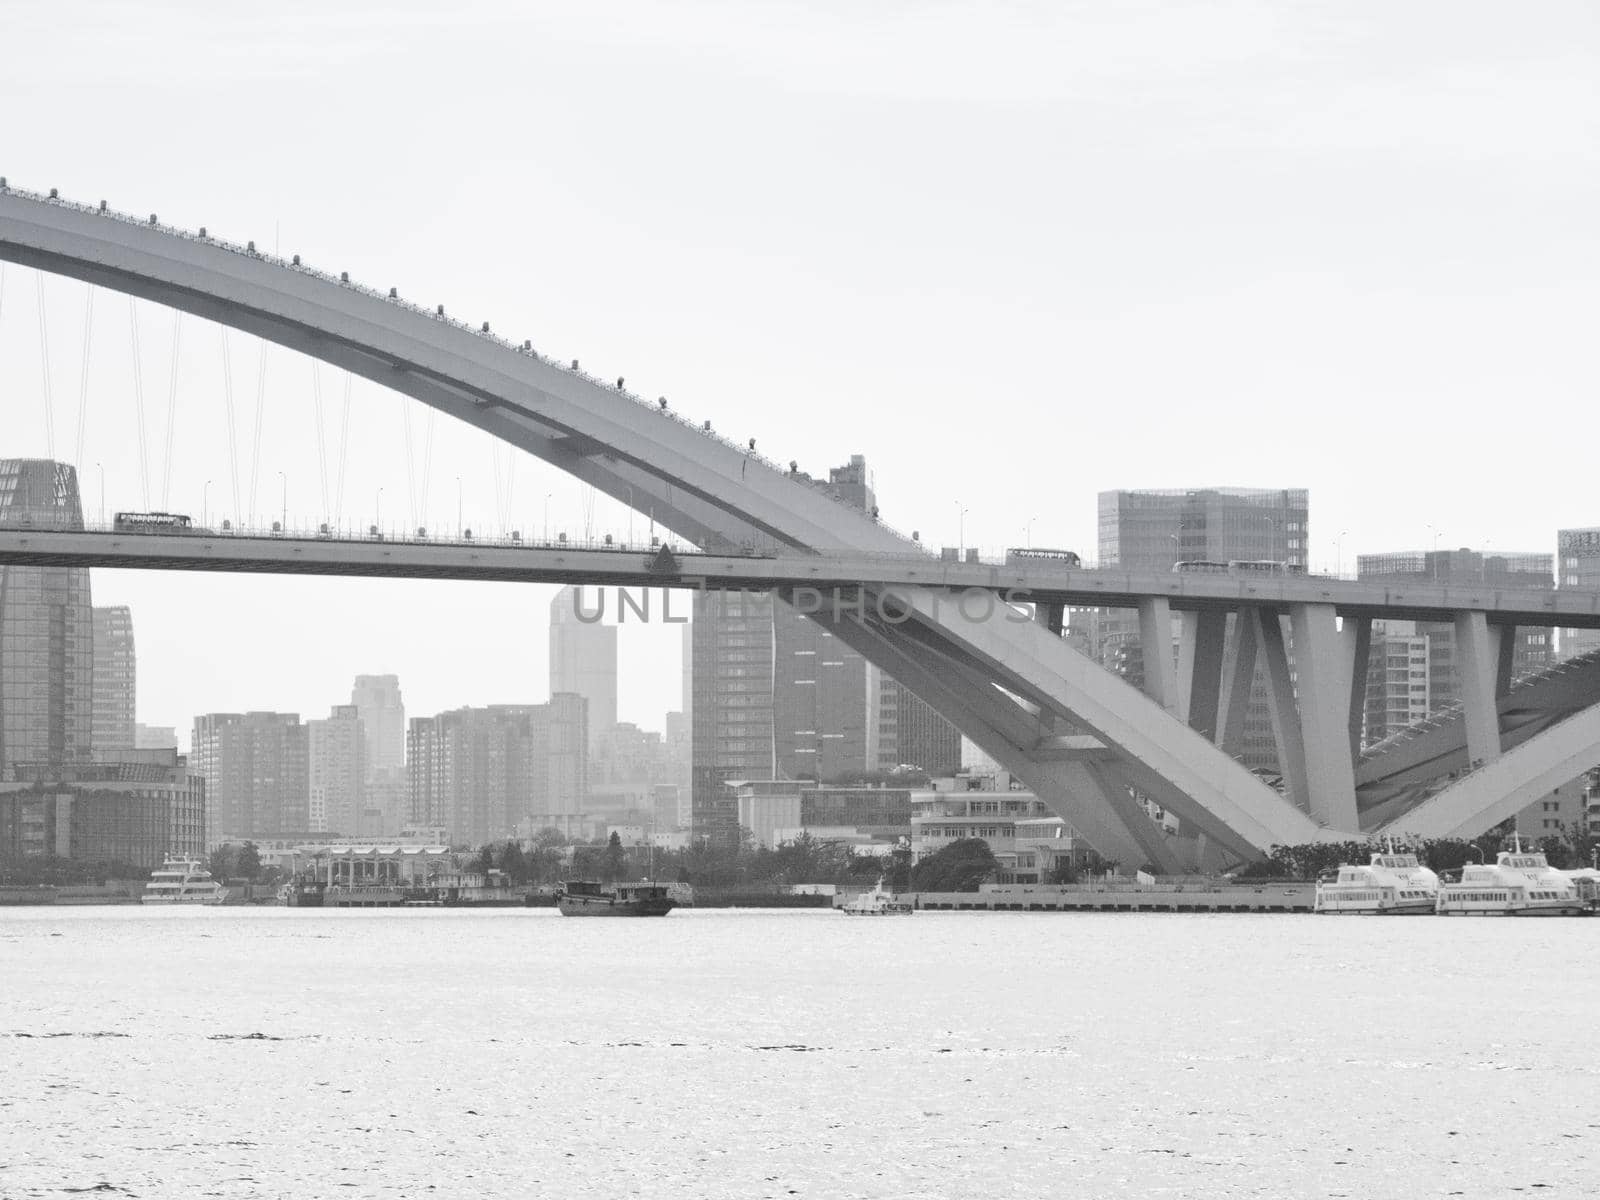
280	1052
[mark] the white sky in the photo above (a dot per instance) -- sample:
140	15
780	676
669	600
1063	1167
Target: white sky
1015	254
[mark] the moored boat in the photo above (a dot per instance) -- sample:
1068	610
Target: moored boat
182	881
1391	884
1520	883
582	898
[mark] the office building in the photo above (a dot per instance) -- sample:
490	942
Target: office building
583	655
1397	680
562	745
114	680
1578	553
911	733
337	771
257	772
1154	530
382	710
46	627
132	811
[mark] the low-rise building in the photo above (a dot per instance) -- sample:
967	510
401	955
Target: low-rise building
1028	841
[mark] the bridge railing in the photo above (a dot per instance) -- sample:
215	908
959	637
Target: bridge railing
437	313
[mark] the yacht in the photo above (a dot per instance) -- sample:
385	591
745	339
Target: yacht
1392	884
182	881
879	902
1521	883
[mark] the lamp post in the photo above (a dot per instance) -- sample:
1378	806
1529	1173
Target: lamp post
1338	553
1434	554
102	471
377	510
961	529
1027	532
205	502
284	479
547	496
459	521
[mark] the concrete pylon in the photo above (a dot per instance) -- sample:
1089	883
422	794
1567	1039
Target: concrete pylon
1155	640
1324	679
1200	652
1477	668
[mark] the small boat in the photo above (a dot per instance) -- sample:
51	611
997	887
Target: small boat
581	898
1521	883
879	902
182	881
1393	884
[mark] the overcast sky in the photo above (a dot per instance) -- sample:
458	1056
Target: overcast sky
1014	254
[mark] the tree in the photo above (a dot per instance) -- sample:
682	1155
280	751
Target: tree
613	861
249	861
223	862
959	867
484	863
515	863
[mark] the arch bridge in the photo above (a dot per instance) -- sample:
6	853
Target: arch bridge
1085	740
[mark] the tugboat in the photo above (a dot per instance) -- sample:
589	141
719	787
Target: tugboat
1522	883
1392	884
583	898
879	902
182	881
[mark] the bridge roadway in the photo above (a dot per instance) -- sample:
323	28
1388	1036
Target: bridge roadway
559	563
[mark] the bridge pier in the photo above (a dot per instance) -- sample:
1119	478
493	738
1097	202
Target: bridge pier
1478	667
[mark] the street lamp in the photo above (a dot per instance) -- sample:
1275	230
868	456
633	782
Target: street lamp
205	502
459	521
1338	552
377	510
1027	532
1435	554
547	496
961	529
102	471
284	479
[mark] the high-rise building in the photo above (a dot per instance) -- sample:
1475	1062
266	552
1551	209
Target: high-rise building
1154	530
1397	680
1442	684
257	772
114	680
480	772
1578	555
337	771
46	627
383	717
912	733
583	656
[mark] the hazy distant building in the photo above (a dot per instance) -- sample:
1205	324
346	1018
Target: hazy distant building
583	656
115	676
257	771
1153	530
46	627
1397	693
481	772
382	709
337	771
155	737
1578	552
134	810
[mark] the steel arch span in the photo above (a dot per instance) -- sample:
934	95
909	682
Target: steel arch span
1013	686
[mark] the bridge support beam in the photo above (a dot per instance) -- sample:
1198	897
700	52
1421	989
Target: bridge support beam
1324	705
1155	641
1238	679
1286	731
1200	652
1478	668
1505	642
1356	634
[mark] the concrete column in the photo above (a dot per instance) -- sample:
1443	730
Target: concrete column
1324	680
1052	616
1356	634
1200	650
1286	731
1476	665
1155	640
1504	638
1237	681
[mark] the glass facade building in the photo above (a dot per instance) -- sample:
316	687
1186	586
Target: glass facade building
46	627
115	680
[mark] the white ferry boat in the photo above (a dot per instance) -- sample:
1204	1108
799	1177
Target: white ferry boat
1521	883
1392	884
182	881
879	902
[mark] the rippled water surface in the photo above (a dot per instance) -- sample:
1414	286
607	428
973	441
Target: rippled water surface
278	1052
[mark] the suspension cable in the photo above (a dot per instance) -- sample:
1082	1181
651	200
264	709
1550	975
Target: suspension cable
411	460
44	365
344	446
427	460
233	438
138	399
83	377
322	437
261	405
172	408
